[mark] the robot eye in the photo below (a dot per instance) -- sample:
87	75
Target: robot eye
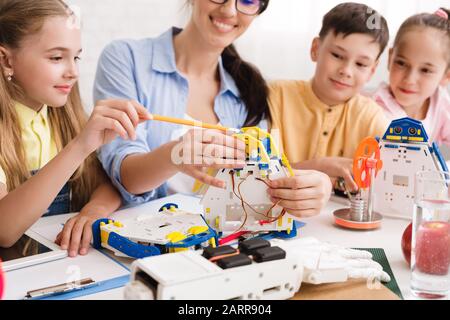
398	130
412	131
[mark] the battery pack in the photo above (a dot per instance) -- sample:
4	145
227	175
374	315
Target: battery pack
211	252
268	254
249	246
234	261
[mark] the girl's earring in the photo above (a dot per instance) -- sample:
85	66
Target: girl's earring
10	76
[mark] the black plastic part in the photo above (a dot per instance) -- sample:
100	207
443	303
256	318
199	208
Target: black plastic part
268	254
211	252
234	261
249	246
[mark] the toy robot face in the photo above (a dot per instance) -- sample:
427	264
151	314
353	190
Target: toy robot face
411	131
406	130
405	150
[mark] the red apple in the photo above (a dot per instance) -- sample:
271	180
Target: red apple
406	243
432	251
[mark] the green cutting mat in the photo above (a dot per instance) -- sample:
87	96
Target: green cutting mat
380	256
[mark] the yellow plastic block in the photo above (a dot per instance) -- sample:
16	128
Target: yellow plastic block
217	222
172	209
208	210
254	147
280	222
198	229
212	242
118	224
175	236
394	138
104	236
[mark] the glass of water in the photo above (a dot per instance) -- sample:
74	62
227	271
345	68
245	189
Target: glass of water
430	258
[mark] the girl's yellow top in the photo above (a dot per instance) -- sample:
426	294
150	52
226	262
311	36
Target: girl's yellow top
37	138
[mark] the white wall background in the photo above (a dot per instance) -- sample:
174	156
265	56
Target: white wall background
278	42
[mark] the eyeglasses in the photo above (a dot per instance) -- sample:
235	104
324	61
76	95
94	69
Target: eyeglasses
247	7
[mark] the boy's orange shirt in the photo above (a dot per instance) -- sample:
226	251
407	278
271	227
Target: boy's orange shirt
310	129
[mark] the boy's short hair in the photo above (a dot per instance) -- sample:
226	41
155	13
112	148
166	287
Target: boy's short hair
349	18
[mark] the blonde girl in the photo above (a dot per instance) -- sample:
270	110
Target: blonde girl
47	165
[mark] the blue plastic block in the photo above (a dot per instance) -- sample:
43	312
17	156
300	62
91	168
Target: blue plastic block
131	248
97	240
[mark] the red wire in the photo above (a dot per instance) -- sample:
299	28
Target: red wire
236	234
232	237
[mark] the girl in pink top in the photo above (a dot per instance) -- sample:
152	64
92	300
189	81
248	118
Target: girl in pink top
419	71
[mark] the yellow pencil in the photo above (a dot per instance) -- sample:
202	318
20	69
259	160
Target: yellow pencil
191	123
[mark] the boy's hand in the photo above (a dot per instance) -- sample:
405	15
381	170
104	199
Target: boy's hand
303	195
336	167
76	235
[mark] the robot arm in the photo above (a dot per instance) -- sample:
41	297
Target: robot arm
328	263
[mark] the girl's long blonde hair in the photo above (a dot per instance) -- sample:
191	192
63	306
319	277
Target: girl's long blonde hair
18	19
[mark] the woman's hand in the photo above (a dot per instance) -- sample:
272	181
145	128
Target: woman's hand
76	235
200	149
302	195
109	119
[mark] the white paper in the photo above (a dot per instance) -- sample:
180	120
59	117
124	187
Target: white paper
94	265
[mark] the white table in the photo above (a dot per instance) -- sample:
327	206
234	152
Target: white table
321	227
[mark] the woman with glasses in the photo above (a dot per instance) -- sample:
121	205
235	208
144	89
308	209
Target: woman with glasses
193	73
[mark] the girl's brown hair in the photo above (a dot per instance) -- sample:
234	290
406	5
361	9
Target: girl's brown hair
428	20
19	19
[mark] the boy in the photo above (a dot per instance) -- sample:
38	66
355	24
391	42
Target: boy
322	121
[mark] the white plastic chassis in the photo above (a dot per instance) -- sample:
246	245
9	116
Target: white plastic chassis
188	275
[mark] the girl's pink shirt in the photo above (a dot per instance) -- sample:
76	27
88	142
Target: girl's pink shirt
437	120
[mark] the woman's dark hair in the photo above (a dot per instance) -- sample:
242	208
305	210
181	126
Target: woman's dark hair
264	4
252	86
427	20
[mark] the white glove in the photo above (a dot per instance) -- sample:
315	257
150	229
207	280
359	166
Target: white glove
328	263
